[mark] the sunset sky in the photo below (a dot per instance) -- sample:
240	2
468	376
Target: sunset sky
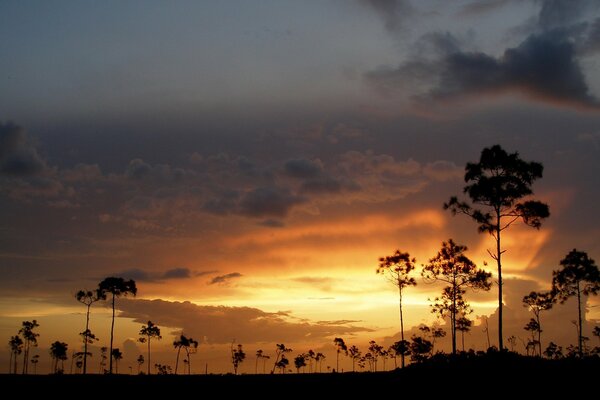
248	162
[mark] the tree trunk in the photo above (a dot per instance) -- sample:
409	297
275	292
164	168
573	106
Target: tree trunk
177	360
112	328
149	354
453	317
498	258
539	334
401	322
25	356
85	339
580	338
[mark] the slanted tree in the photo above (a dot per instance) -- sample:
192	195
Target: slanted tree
496	186
29	339
340	346
280	351
147	333
451	266
354	354
189	345
16	348
237	356
58	352
118	356
140	361
397	268
538	302
87	298
463	325
115	287
578	276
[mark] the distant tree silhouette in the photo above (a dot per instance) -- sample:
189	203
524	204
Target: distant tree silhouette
58	352
420	349
103	358
376	351
340	346
538	302
117	355
300	362
355	355
259	355
401	348
512	341
434	333
29	340
319	357
553	351
162	369
237	357
87	298
579	275
16	348
115	287
282	363
88	338
463	325
533	327
280	351
140	361
189	345
310	356
450	265
147	333
34	361
596	331
397	268
497	184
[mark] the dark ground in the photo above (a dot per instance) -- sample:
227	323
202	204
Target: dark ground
488	377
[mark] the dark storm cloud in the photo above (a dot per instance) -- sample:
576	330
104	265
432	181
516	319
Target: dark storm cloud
560	13
218	324
393	12
18	157
478	7
268	202
303	168
224	279
544	67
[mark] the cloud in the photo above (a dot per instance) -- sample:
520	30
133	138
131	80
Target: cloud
272	223
544	67
140	275
224	279
479	7
303	168
268	202
219	324
177	273
393	12
18	157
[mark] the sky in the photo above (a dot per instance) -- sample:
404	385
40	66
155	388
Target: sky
247	163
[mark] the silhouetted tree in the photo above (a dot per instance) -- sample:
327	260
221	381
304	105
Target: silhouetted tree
579	275
189	345
88	338
396	268
140	361
280	350
596	331
497	184
512	341
116	287
452	266
420	349
538	302
553	351
16	348
237	357
434	333
87	298
117	355
355	355
340	346
162	369
58	352
259	355
147	333
29	340
310	356
300	362
103	358
533	328
401	348
376	351
282	363
463	325
319	357
34	361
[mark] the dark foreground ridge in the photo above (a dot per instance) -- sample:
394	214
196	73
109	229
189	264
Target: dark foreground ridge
462	377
